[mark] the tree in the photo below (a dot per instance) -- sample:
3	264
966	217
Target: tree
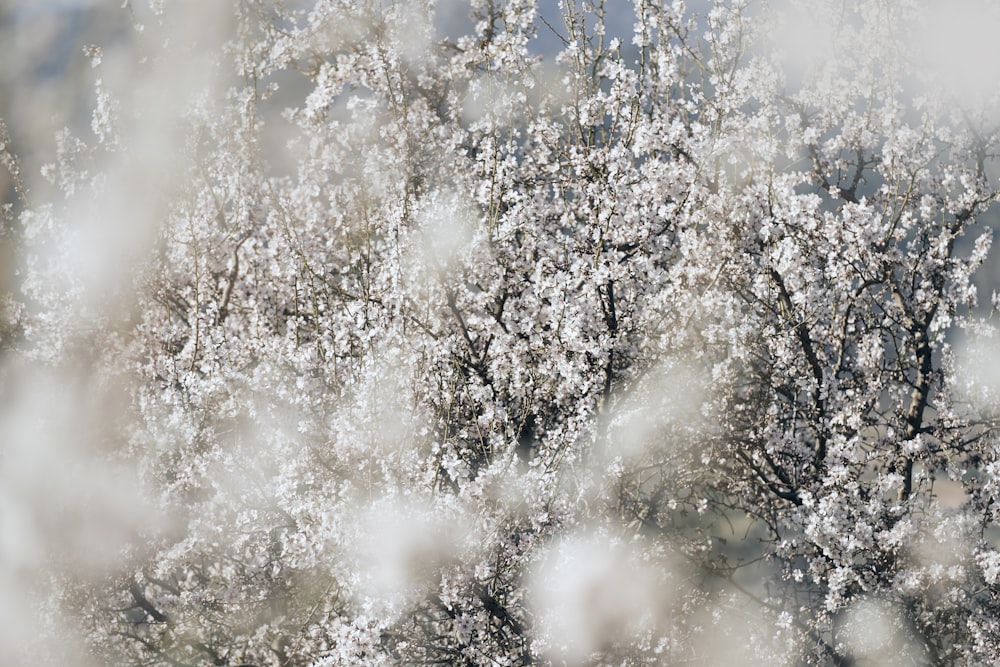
445	351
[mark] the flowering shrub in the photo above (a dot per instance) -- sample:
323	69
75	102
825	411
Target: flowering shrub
356	333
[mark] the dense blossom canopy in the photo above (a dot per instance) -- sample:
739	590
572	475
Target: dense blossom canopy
499	333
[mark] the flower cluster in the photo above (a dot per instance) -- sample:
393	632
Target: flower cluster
529	337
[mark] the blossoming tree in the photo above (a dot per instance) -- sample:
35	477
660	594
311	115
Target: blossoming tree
449	346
